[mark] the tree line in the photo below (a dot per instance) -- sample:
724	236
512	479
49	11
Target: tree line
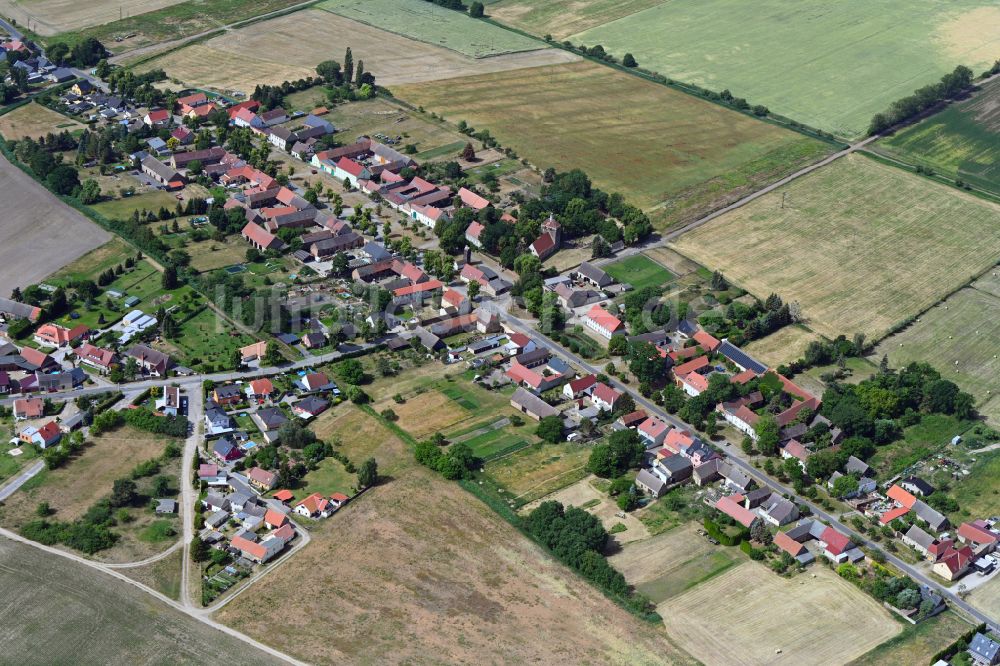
950	86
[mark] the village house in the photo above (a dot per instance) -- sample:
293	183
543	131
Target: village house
778	511
919	540
166	176
259	552
259	390
731	506
954	562
653	431
43	437
227	394
269	420
315	506
150	361
984	650
211	474
527	403
261	479
916	486
549	242
793	548
95	357
310	407
170	403
587	272
226	450
53	335
579	387
217	422
28	408
253	352
603	322
650	483
604	397
979	536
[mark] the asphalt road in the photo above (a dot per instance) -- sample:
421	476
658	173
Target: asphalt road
735	456
21	479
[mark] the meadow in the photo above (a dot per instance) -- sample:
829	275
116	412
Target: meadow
57	611
747	614
289	47
433	24
639	271
961	337
661	148
562	18
959	142
860	245
40	234
785	345
828	66
205	338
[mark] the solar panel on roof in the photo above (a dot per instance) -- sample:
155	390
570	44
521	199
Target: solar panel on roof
741	358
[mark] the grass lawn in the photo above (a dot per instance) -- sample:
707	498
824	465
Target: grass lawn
639	271
498	442
690	573
693	156
164	575
917	643
959	142
209	255
960	337
828	66
430	23
122	209
933	433
675	508
159	531
838	240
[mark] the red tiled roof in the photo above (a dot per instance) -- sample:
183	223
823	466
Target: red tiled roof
653	427
261	387
430	285
605	393
691	366
582	383
262	476
339	497
248	547
49	431
30	407
677	440
472	200
743	377
286	532
259	235
893	514
899	495
634	418
474	229
604	319
543	244
520	339
788	544
283	495
314	503
836	542
525	375
737	512
275	518
350	166
453	297
706	341
795	449
957	559
158	115
193	100
976	534
697	381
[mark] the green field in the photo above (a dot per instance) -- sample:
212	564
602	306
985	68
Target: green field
433	24
959	142
11	465
662	149
490	444
828	65
328	478
920	442
639	271
977	493
961	337
57	611
562	18
687	575
860	245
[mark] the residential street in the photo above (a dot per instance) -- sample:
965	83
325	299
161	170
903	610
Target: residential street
736	457
196	409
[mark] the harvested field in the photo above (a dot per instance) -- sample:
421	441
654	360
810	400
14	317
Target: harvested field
50	17
36	121
71	490
57	611
783	346
748	613
562	18
695	156
960	337
583	494
433	24
290	47
444	578
39	234
828	66
959	142
917	644
860	245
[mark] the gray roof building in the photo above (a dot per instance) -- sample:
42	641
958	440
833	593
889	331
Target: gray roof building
984	649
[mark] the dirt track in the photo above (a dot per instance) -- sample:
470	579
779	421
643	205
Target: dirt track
38	233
